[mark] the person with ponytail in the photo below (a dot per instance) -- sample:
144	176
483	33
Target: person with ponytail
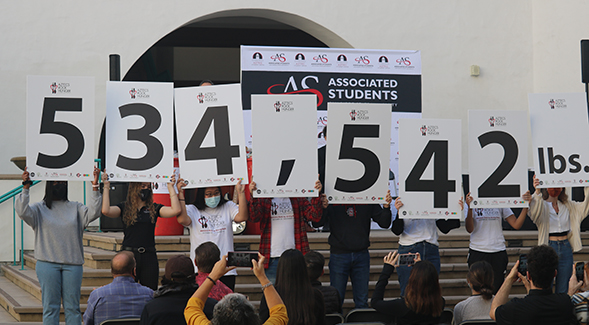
139	215
480	281
422	303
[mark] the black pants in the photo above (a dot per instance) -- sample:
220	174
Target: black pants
497	260
229	280
147	269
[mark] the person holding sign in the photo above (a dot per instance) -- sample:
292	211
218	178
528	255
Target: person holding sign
559	226
486	237
283	224
349	240
420	236
59	226
139	215
210	218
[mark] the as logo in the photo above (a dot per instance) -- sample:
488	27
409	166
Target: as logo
403	60
278	57
363	59
295	89
321	58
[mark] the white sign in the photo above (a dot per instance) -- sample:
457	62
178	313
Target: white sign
211	143
559	139
358	150
430	168
284	153
498	158
139	131
60	128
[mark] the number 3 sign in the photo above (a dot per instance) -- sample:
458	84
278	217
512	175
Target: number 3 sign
139	131
358	151
498	157
430	168
60	128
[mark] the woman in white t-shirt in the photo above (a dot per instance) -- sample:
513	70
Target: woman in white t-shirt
210	218
486	237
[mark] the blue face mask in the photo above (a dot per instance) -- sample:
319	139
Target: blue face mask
212	202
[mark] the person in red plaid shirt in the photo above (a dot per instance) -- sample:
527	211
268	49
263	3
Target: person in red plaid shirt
282	222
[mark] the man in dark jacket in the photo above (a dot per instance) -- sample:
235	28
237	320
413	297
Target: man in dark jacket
169	301
315	263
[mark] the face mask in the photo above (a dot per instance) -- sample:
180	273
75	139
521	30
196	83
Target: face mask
59	191
212	202
144	194
554	192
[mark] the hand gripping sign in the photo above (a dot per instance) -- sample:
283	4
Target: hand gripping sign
139	131
430	168
358	151
284	145
60	128
498	158
559	139
211	141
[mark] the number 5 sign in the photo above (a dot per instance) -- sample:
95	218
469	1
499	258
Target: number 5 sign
211	140
358	151
60	127
430	168
139	131
498	158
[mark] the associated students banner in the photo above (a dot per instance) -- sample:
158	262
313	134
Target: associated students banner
334	75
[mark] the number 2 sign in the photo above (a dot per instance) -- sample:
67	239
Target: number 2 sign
498	158
358	151
430	168
60	128
211	140
139	131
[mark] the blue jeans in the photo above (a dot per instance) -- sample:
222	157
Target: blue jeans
427	252
271	270
565	264
356	266
60	281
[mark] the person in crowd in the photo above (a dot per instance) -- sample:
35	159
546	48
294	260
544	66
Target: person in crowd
235	309
559	225
207	254
315	263
123	298
486	236
304	303
480	281
283	224
349	240
422	303
420	236
540	306
169	301
59	226
579	292
209	218
139	215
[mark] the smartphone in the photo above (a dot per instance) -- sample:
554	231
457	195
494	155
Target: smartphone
406	259
241	259
580	271
523	264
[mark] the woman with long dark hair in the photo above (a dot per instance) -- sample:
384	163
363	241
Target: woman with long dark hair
210	218
304	303
139	215
559	226
59	226
423	302
480	280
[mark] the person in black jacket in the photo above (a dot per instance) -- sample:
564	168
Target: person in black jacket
169	301
420	236
315	263
349	240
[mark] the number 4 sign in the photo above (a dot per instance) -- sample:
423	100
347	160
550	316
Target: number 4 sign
60	128
358	151
430	168
211	140
498	158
